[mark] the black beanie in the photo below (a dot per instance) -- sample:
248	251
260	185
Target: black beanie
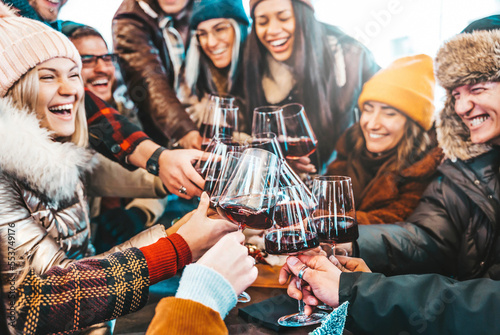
486	23
204	10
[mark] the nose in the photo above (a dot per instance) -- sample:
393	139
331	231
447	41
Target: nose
67	87
373	120
463	105
274	27
211	40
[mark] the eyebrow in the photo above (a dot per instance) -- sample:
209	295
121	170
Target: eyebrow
54	70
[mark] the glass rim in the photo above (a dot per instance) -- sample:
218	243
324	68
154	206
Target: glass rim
333	178
222	96
294	107
268	110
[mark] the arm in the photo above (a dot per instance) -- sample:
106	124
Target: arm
111	133
418	304
147	77
428	242
85	293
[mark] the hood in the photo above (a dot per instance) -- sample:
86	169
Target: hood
28	154
465	59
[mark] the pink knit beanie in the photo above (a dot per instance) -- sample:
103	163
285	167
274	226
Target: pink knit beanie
25	43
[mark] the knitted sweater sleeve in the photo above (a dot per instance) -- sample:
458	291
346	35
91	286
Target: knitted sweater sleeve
84	293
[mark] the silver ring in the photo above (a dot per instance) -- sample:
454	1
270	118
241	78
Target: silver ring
182	190
302	271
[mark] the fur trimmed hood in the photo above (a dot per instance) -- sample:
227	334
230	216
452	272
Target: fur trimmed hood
465	59
28	154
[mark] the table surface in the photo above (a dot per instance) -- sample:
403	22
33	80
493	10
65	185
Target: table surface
137	323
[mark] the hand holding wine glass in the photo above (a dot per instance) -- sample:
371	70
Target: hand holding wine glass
293	232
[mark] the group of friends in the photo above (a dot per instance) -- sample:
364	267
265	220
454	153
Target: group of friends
426	183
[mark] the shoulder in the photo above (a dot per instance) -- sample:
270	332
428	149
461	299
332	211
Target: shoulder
425	167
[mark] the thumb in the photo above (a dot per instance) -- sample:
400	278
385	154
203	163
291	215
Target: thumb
204	205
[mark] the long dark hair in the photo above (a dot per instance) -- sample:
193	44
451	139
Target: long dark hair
313	66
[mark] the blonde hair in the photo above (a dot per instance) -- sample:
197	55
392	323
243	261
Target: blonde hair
412	147
24	95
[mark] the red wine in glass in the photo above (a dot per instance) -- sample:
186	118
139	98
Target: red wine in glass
236	211
340	229
295	148
282	213
211	130
279	242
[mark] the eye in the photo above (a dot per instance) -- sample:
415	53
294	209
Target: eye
46	77
262	21
477	90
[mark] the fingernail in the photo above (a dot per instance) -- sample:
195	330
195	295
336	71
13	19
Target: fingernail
292	260
333	260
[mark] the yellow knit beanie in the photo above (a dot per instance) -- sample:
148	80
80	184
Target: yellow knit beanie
25	43
407	85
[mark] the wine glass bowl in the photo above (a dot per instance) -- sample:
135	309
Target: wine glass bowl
221	117
296	136
249	196
335	216
267	119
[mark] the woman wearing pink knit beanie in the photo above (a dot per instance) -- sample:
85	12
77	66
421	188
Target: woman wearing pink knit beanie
44	224
389	154
292	57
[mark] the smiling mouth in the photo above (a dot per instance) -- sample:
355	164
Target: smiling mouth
278	43
375	136
219	51
100	82
61	109
478	120
56	2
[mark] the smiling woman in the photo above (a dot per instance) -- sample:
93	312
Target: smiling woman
389	154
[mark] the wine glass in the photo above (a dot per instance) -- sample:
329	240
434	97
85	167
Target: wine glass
249	196
212	160
267	119
221	117
265	141
296	136
335	215
293	231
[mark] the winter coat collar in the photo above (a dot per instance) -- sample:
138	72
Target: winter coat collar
454	136
29	155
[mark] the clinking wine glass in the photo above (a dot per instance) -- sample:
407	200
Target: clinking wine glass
221	117
267	119
295	134
212	160
292	232
335	215
250	195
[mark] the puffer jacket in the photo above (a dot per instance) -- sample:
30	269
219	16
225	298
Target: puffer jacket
390	196
148	70
451	239
43	209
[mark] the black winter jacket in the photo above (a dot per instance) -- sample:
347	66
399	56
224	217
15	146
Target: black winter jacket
452	238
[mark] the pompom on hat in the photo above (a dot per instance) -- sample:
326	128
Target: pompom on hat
254	3
407	85
25	43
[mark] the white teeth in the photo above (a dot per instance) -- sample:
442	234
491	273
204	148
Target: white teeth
54	1
278	43
376	135
478	120
219	51
100	82
62	107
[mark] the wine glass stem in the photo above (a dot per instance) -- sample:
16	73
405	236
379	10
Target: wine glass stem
301	302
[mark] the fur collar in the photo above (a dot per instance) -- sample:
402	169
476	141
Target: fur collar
454	136
28	154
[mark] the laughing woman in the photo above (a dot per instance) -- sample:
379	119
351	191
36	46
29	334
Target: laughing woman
292	57
43	208
214	58
389	154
